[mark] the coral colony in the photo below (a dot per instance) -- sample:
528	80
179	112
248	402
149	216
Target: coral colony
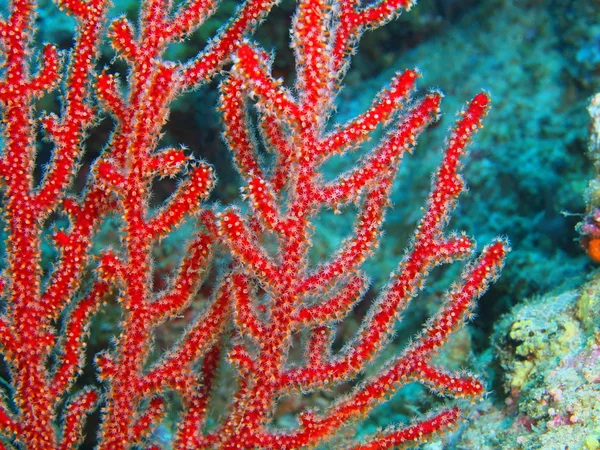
269	290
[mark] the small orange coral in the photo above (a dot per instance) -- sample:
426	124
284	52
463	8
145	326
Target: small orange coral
593	249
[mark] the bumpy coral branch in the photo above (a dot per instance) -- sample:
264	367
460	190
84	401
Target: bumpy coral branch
30	312
44	359
290	282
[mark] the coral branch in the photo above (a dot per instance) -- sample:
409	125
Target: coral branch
76	411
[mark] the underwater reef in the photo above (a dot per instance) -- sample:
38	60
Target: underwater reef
533	175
